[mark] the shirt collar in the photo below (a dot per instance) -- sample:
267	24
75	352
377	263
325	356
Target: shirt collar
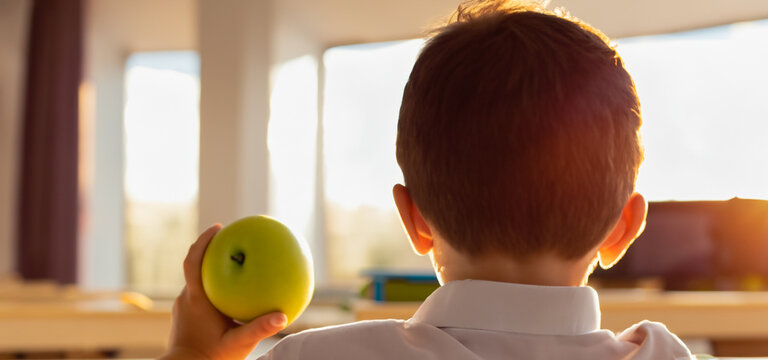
499	306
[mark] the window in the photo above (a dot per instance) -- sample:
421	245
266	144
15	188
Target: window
363	88
161	166
703	100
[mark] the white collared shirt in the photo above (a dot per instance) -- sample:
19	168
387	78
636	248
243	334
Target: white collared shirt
475	319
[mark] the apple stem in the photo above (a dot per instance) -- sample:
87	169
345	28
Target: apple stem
239	258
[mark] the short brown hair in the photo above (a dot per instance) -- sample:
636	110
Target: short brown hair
518	132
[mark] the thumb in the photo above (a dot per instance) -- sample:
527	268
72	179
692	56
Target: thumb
259	328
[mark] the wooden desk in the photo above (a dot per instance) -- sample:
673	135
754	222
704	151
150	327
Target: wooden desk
711	315
105	324
45	318
40	317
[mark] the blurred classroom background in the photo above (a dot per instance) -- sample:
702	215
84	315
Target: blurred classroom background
127	127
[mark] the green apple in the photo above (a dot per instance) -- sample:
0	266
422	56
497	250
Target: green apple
256	265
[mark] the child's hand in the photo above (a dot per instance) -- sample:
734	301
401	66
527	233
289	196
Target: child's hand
199	330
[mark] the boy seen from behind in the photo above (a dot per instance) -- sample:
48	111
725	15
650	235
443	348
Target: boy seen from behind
519	145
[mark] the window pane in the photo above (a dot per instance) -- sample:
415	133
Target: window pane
161	165
363	88
703	99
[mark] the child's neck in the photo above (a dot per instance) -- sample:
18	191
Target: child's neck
548	270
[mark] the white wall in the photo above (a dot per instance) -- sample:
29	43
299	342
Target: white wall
625	18
14	20
294	125
245	47
335	22
234	95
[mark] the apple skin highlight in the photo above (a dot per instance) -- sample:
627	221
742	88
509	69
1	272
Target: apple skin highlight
256	265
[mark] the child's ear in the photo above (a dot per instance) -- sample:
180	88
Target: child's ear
418	231
629	226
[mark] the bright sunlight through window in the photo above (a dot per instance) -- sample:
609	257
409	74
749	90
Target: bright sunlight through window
161	165
363	88
703	99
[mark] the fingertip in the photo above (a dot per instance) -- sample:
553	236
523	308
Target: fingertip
260	328
278	320
209	232
213	228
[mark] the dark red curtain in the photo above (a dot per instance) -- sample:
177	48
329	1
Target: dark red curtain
47	228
